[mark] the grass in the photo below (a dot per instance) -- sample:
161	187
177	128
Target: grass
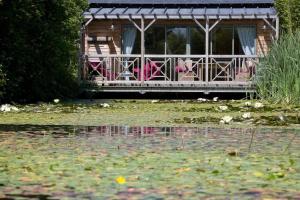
278	77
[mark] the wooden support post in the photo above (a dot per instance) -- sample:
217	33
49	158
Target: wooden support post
206	49
80	57
142	49
277	28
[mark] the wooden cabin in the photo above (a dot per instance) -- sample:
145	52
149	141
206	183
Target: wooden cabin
175	45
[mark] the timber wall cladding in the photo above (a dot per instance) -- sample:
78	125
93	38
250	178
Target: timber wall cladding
102	28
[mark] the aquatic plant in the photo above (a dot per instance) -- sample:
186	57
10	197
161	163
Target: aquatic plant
278	75
223	108
258	105
226	119
56	100
246	115
8	108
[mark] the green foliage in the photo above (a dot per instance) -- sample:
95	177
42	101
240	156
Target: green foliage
279	73
39	43
289	12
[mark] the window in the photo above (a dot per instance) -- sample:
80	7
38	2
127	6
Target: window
197	42
137	44
176	40
222	41
229	40
155	40
190	40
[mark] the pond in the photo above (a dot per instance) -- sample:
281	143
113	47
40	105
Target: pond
140	162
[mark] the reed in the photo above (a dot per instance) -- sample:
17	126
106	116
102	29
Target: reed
278	74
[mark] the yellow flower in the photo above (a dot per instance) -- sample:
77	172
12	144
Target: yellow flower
258	174
184	169
121	180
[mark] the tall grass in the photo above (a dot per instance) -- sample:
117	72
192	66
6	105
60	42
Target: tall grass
278	75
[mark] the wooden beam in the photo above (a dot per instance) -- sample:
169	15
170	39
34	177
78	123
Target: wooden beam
89	21
277	28
215	24
142	49
199	24
150	24
133	22
269	24
80	56
206	49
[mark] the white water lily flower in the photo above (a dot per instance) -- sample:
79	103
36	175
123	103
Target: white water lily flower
13	108
154	101
248	103
226	119
215	98
258	105
8	108
223	108
56	100
247	115
105	105
281	117
202	99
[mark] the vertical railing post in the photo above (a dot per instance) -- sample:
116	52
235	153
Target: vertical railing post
142	49
206	49
277	28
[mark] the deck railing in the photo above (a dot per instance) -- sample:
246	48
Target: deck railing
113	69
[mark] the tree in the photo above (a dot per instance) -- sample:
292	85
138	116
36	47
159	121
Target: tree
289	13
39	45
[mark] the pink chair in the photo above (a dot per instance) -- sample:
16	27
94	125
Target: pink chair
102	71
148	68
180	69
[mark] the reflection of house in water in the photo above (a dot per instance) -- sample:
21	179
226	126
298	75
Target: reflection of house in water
209	138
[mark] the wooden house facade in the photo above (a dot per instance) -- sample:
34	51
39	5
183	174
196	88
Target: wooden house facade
175	45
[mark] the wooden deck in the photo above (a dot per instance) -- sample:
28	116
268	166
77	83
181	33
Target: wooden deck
161	86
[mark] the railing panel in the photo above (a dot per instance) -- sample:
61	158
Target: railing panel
114	69
234	68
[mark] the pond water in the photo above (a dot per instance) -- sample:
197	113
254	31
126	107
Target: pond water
124	162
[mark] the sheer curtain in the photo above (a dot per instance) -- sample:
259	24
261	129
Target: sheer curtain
247	37
129	36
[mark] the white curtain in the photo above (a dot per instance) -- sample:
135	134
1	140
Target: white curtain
129	36
247	37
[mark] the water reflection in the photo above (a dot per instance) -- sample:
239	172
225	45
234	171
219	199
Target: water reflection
263	140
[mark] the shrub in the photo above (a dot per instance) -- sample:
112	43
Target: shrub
2	81
278	76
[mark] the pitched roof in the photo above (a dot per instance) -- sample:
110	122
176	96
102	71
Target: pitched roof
180	2
180	9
